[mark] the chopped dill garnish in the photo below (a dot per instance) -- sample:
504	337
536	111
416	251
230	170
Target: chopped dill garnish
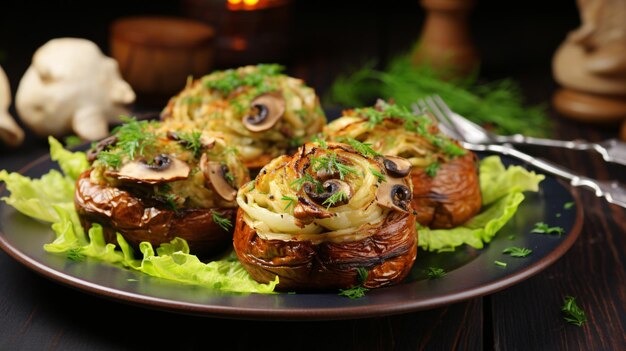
110	159
364	149
133	137
229	80
381	177
568	205
543	228
291	201
224	223
335	198
517	251
355	292
74	254
500	263
573	314
331	165
435	272
299	183
191	141
321	142
432	169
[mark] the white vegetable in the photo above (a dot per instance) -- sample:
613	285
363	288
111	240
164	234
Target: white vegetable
10	132
72	86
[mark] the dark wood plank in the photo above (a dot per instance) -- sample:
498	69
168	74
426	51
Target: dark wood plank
37	314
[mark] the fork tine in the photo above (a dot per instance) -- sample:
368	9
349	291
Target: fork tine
443	115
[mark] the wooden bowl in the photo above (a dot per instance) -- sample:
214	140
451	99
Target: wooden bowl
157	54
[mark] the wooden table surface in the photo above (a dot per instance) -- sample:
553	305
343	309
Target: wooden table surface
39	314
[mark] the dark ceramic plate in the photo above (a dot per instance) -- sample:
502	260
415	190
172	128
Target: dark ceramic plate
471	272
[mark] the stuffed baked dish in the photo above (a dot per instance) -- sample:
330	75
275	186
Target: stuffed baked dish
259	110
446	190
151	183
330	216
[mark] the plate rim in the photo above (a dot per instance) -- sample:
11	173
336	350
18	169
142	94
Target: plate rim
308	314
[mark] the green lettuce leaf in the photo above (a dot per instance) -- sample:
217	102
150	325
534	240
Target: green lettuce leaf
502	190
51	199
72	163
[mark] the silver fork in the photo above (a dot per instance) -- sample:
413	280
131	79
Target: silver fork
611	191
611	150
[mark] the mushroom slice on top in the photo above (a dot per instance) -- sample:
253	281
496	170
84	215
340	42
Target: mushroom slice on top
266	110
394	194
214	173
163	168
331	187
397	167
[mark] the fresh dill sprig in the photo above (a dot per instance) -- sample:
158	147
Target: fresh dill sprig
573	314
517	251
291	201
499	103
323	144
335	198
543	228
381	177
297	184
224	223
435	272
355	292
331	165
191	141
364	149
75	254
229	80
432	169
133	137
110	159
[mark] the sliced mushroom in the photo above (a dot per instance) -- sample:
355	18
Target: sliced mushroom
397	167
92	154
163	168
331	187
306	212
215	174
395	195
266	110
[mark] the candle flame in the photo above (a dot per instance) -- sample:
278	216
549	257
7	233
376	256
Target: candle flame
250	2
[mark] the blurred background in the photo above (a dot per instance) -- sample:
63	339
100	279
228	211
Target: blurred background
317	41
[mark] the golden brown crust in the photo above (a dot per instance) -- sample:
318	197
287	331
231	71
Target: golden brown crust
451	197
118	210
388	255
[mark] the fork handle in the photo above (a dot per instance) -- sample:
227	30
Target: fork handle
611	191
611	150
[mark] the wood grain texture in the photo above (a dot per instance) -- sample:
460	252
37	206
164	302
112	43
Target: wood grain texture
528	316
37	314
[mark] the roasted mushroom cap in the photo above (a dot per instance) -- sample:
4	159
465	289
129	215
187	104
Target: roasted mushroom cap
395	195
215	173
397	167
163	168
331	187
266	110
